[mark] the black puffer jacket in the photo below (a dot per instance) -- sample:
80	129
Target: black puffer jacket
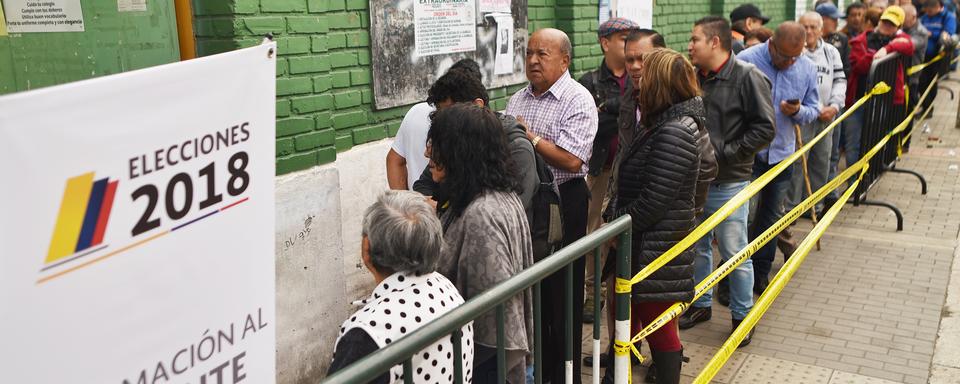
657	183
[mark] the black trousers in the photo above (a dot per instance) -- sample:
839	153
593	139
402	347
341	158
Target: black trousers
574	200
926	76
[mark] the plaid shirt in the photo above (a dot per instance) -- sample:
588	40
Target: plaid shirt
565	115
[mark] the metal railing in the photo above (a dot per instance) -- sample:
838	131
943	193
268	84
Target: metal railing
449	325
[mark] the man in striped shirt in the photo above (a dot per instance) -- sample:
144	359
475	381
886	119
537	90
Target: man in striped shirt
561	121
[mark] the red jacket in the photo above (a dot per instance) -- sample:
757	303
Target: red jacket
861	57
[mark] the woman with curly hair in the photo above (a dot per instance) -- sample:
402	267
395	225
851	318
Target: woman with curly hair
486	234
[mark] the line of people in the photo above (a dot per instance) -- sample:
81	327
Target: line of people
663	137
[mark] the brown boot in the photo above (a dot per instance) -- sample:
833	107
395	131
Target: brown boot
786	243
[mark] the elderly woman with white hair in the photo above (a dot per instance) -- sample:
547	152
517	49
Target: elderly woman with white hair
402	239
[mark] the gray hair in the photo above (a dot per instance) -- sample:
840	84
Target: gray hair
815	16
404	232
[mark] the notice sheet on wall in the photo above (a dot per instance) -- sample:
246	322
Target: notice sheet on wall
640	11
494	6
43	15
503	64
131	5
444	26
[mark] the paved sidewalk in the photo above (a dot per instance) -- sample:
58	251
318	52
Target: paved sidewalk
868	307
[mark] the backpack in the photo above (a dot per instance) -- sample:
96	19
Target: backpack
546	222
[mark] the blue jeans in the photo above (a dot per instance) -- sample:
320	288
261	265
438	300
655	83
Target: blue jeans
731	237
851	134
769	210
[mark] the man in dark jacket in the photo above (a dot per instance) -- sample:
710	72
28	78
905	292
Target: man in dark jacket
461	86
607	84
741	123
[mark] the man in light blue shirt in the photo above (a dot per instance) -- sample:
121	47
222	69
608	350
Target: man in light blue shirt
796	101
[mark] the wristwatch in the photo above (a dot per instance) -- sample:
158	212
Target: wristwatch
536	140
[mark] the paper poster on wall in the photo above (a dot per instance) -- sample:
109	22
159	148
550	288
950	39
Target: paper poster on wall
640	11
503	63
131	5
494	6
43	15
604	11
444	26
140	248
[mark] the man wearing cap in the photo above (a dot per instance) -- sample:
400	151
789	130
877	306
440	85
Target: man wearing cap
885	39
607	84
831	18
744	19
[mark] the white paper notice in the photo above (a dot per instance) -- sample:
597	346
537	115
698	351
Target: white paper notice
43	15
494	6
444	26
131	5
640	11
504	59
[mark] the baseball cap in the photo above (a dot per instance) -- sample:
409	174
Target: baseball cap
616	24
893	14
830	10
747	10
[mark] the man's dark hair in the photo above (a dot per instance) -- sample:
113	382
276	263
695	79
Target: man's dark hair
932	4
716	26
856	5
470	145
470	66
740	26
459	85
655	37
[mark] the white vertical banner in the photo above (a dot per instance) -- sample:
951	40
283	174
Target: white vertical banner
138	226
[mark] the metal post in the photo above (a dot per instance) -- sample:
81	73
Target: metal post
622	332
501	353
568	324
407	371
597	274
457	356
537	336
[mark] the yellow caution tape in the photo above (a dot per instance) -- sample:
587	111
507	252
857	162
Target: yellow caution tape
751	189
724	270
786	272
623	286
776	286
919	67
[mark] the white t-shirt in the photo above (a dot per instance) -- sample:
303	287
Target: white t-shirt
411	140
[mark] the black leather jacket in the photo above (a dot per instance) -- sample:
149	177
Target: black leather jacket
739	117
606	94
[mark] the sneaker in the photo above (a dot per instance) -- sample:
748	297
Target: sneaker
746	340
694	316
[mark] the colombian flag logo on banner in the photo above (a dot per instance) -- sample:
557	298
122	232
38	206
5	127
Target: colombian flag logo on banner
82	220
